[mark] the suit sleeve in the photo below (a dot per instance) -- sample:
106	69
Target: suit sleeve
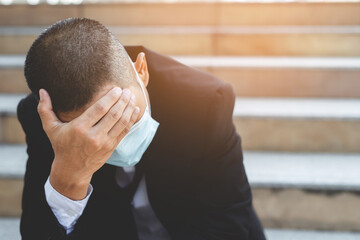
37	219
222	205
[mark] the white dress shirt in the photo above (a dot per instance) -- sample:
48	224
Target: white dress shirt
68	211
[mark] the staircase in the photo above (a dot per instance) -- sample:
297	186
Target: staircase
295	68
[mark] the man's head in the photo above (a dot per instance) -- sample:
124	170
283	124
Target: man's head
78	61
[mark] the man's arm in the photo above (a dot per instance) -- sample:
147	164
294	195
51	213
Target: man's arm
37	219
223	196
73	166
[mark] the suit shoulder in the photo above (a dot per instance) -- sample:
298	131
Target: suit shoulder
27	105
27	113
170	71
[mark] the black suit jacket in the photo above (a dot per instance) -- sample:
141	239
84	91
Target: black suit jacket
194	169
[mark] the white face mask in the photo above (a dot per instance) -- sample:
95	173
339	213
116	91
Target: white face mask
131	148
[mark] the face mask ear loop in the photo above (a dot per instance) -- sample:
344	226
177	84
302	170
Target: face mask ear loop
141	84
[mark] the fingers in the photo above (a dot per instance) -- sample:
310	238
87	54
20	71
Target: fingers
127	120
95	112
45	110
127	100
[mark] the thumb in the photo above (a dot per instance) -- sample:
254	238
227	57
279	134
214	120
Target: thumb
45	110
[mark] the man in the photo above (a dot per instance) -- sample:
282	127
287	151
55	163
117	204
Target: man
104	163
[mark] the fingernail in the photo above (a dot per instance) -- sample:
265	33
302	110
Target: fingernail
117	90
126	91
132	97
137	110
40	94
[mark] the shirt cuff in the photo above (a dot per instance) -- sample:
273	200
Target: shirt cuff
67	211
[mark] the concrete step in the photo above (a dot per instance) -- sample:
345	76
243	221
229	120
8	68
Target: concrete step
12	161
320	125
312	171
291	190
12	168
286	234
285	76
221	13
9	230
305	190
325	171
264	40
271	124
82	2
10	128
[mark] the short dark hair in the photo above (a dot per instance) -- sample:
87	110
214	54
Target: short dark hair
73	59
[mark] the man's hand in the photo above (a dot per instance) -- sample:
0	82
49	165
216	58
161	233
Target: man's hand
83	145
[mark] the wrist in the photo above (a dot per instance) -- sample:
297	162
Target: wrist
70	185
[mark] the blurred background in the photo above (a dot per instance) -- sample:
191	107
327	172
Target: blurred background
295	68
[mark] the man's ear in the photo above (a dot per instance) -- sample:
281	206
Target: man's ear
142	69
